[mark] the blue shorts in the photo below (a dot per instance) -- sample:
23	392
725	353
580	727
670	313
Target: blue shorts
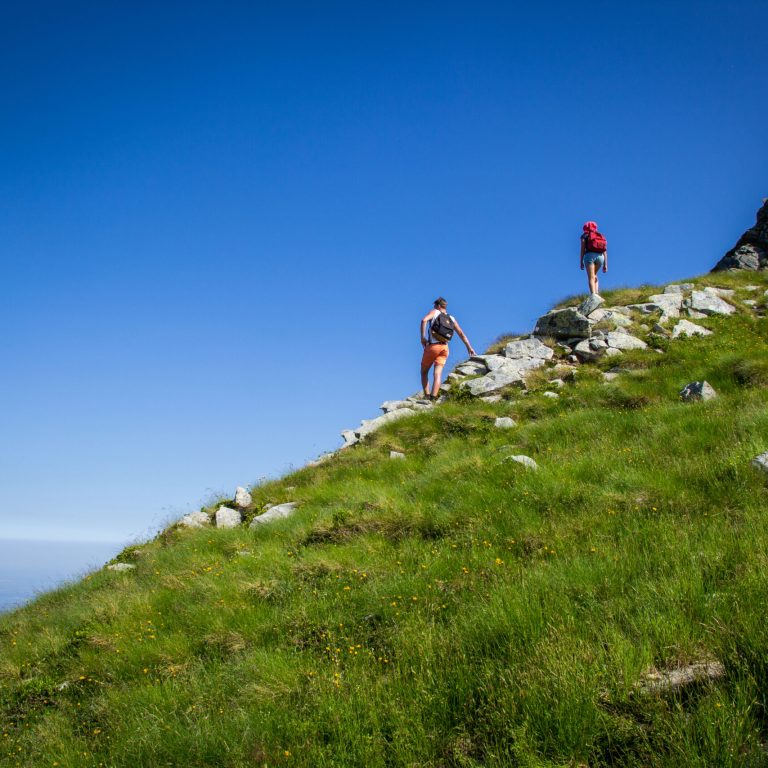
594	258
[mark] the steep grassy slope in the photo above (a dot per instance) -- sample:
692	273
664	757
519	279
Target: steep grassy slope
451	609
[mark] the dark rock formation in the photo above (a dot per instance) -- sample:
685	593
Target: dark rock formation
751	252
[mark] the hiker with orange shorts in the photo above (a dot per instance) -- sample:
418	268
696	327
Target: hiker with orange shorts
437	328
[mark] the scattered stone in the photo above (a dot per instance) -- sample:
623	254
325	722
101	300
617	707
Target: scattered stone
672	681
659	328
678	288
557	383
612	352
618	319
668	303
572	359
418	404
749	302
750	288
121	567
551	395
396	455
242	498
761	462
589	350
709	304
623	340
563	324
526	461
195	520
511	374
723	293
689	329
492	398
352	436
590	304
528	348
226	517
697	390
751	250
471	368
610	375
504	422
277	512
696	315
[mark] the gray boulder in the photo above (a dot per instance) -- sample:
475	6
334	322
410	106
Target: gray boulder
367	426
242	498
504	422
511	374
226	517
491	399
723	293
417	404
491	362
590	304
750	302
751	250
563	324
528	348
551	395
589	350
621	340
761	462
668	303
689	329
195	520
678	288
277	512
618	319
471	368
697	390
121	567
526	461
710	304
396	455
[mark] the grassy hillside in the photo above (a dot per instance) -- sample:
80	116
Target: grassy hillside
449	609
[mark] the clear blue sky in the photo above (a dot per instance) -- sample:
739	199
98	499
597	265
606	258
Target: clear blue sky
187	187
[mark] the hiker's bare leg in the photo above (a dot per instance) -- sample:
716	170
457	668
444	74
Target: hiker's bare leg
592	277
425	381
437	377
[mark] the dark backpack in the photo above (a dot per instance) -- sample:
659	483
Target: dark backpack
594	242
442	327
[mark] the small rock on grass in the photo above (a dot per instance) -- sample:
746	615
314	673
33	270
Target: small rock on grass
689	329
195	520
275	513
226	517
526	461
761	461
697	390
551	395
504	422
396	455
674	680
242	498
120	567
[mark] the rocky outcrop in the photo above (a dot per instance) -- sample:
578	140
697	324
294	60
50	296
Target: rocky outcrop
566	323
277	512
697	390
751	250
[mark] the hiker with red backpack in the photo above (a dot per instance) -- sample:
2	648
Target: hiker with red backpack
437	328
594	254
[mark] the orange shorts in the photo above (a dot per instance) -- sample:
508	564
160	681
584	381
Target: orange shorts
434	354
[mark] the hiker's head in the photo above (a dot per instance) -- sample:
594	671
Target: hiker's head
440	303
590	226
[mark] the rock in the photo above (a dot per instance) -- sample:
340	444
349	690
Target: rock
321	459
491	362
589	350
696	315
563	324
749	302
761	462
689	329
418	404
572	359
590	304
612	352
510	374
623	340
367	426
492	399
396	455
551	395
668	303
226	517
646	308
528	348
659	328
242	498
121	567
617	318
195	520
526	461
557	383
709	304
277	512
674	680
697	390
678	288
750	287
751	250
471	368
610	376
723	293
504	422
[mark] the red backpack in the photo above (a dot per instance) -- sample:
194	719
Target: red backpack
594	242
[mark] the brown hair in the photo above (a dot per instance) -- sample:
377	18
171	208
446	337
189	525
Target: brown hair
440	302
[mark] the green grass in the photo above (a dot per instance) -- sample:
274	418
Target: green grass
452	609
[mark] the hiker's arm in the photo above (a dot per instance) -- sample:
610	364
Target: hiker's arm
424	321
464	338
581	255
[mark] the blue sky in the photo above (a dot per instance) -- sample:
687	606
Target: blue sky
187	190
